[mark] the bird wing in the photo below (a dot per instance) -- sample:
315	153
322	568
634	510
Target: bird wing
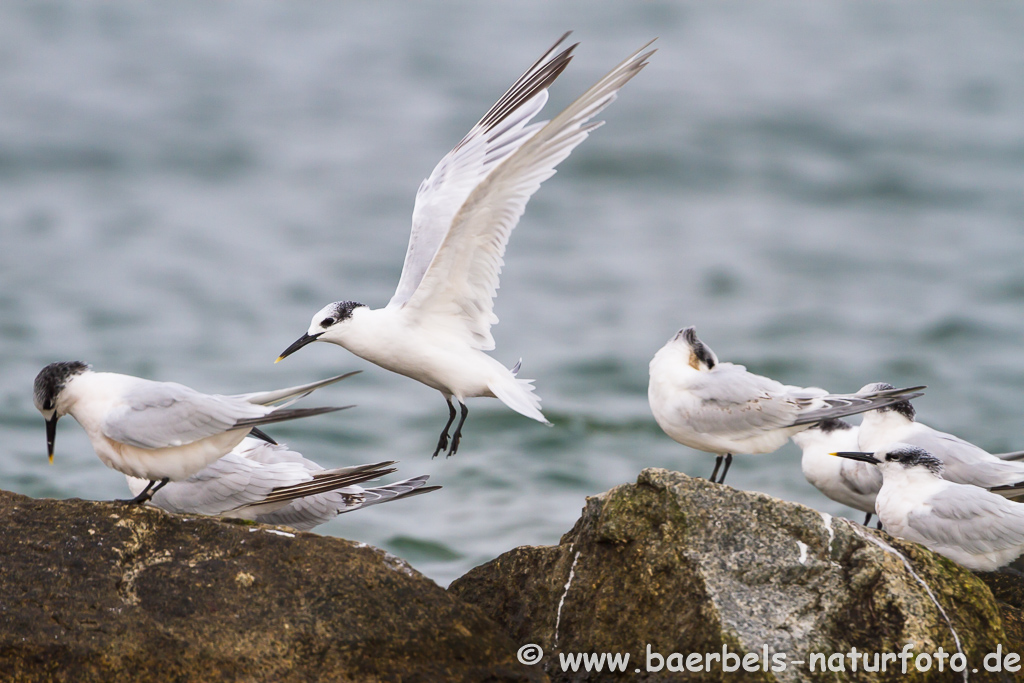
231	482
971	518
862	478
266	453
1012	455
739	403
500	132
462	279
291	394
843	405
965	463
307	513
166	414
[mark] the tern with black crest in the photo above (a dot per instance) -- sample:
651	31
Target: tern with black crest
981	530
721	408
963	462
159	431
436	327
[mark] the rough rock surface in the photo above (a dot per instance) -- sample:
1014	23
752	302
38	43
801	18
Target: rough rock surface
685	566
103	592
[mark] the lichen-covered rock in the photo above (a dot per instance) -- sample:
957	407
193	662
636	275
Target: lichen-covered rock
680	565
105	592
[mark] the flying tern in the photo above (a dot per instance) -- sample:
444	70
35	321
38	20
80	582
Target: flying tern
272	484
981	530
721	408
158	431
436	327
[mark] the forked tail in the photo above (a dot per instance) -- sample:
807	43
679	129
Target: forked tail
518	394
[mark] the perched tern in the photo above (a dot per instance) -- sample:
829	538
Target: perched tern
848	482
964	463
721	408
158	431
437	325
272	484
981	530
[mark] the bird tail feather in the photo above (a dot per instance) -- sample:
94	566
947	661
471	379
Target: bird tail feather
518	394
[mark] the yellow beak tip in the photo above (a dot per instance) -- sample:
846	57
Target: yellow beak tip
51	458
279	359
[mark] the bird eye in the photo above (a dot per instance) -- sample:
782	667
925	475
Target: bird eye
326	322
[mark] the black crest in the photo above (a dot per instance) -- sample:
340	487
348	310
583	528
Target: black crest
904	408
52	379
909	456
834	424
342	310
700	350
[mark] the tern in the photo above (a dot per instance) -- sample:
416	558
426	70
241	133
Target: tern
845	481
981	530
270	483
721	408
158	431
436	327
964	463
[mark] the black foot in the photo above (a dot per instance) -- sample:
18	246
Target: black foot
714	472
867	520
728	462
457	436
147	493
442	443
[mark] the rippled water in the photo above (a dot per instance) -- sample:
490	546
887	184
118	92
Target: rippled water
833	192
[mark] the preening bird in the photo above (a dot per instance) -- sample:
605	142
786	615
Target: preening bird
721	408
437	325
272	484
159	431
981	530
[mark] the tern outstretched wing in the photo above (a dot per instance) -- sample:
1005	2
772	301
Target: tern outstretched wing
500	132
462	279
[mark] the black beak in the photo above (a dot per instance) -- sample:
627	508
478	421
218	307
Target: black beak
51	435
857	455
299	343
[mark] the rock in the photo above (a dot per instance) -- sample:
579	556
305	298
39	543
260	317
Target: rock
678	565
103	592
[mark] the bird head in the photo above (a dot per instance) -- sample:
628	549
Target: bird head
701	357
48	391
902	408
329	324
901	455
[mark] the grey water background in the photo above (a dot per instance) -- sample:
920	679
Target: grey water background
833	192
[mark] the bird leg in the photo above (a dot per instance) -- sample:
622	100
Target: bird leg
714	472
728	461
442	443
867	520
147	492
457	436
